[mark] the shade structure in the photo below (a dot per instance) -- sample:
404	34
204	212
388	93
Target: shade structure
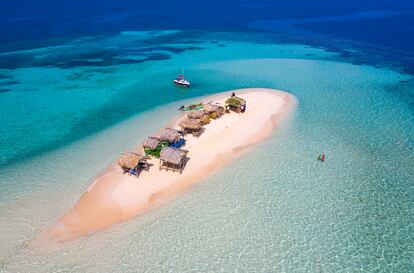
172	159
129	160
205	119
209	107
195	114
235	101
170	135
172	155
189	123
151	143
213	110
236	104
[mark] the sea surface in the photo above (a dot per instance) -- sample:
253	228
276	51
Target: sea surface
76	95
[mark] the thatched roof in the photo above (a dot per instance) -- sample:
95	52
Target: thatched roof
205	120
129	160
209	107
196	114
151	142
190	123
170	135
172	155
235	101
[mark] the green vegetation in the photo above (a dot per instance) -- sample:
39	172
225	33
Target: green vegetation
156	152
235	101
194	107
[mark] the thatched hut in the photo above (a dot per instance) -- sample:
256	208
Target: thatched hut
236	104
196	114
151	143
213	110
170	135
191	126
205	119
172	159
199	114
129	161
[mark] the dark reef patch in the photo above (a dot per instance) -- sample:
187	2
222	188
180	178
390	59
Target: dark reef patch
99	70
71	87
4	76
9	82
158	56
403	89
77	76
91	57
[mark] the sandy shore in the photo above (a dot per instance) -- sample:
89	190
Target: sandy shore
115	197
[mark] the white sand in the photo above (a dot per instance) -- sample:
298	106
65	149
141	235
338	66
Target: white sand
115	197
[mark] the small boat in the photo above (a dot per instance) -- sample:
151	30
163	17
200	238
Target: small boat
181	81
192	107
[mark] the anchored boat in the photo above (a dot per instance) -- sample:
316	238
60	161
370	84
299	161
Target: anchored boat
181	81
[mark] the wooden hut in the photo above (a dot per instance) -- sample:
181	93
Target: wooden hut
213	110
201	115
129	161
205	119
151	143
191	126
173	159
170	135
236	104
196	114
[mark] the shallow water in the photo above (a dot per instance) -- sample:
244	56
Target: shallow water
274	210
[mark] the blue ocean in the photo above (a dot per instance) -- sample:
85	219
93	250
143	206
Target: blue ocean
80	82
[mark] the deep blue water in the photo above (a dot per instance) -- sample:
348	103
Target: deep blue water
383	29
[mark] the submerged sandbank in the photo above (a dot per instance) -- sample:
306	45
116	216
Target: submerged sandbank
114	197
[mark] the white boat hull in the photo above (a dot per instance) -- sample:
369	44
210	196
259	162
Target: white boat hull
182	83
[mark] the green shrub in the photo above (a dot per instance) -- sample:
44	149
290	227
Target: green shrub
156	152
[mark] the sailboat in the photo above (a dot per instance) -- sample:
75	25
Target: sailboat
181	81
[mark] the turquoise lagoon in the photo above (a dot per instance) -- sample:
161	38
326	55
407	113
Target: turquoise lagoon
68	111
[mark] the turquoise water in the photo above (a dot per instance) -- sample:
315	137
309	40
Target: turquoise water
274	210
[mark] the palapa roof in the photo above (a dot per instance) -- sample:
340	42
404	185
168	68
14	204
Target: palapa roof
172	155
170	134
129	160
190	123
209	107
205	120
196	114
151	142
235	101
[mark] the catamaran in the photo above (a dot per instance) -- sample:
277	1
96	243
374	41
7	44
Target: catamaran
181	81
